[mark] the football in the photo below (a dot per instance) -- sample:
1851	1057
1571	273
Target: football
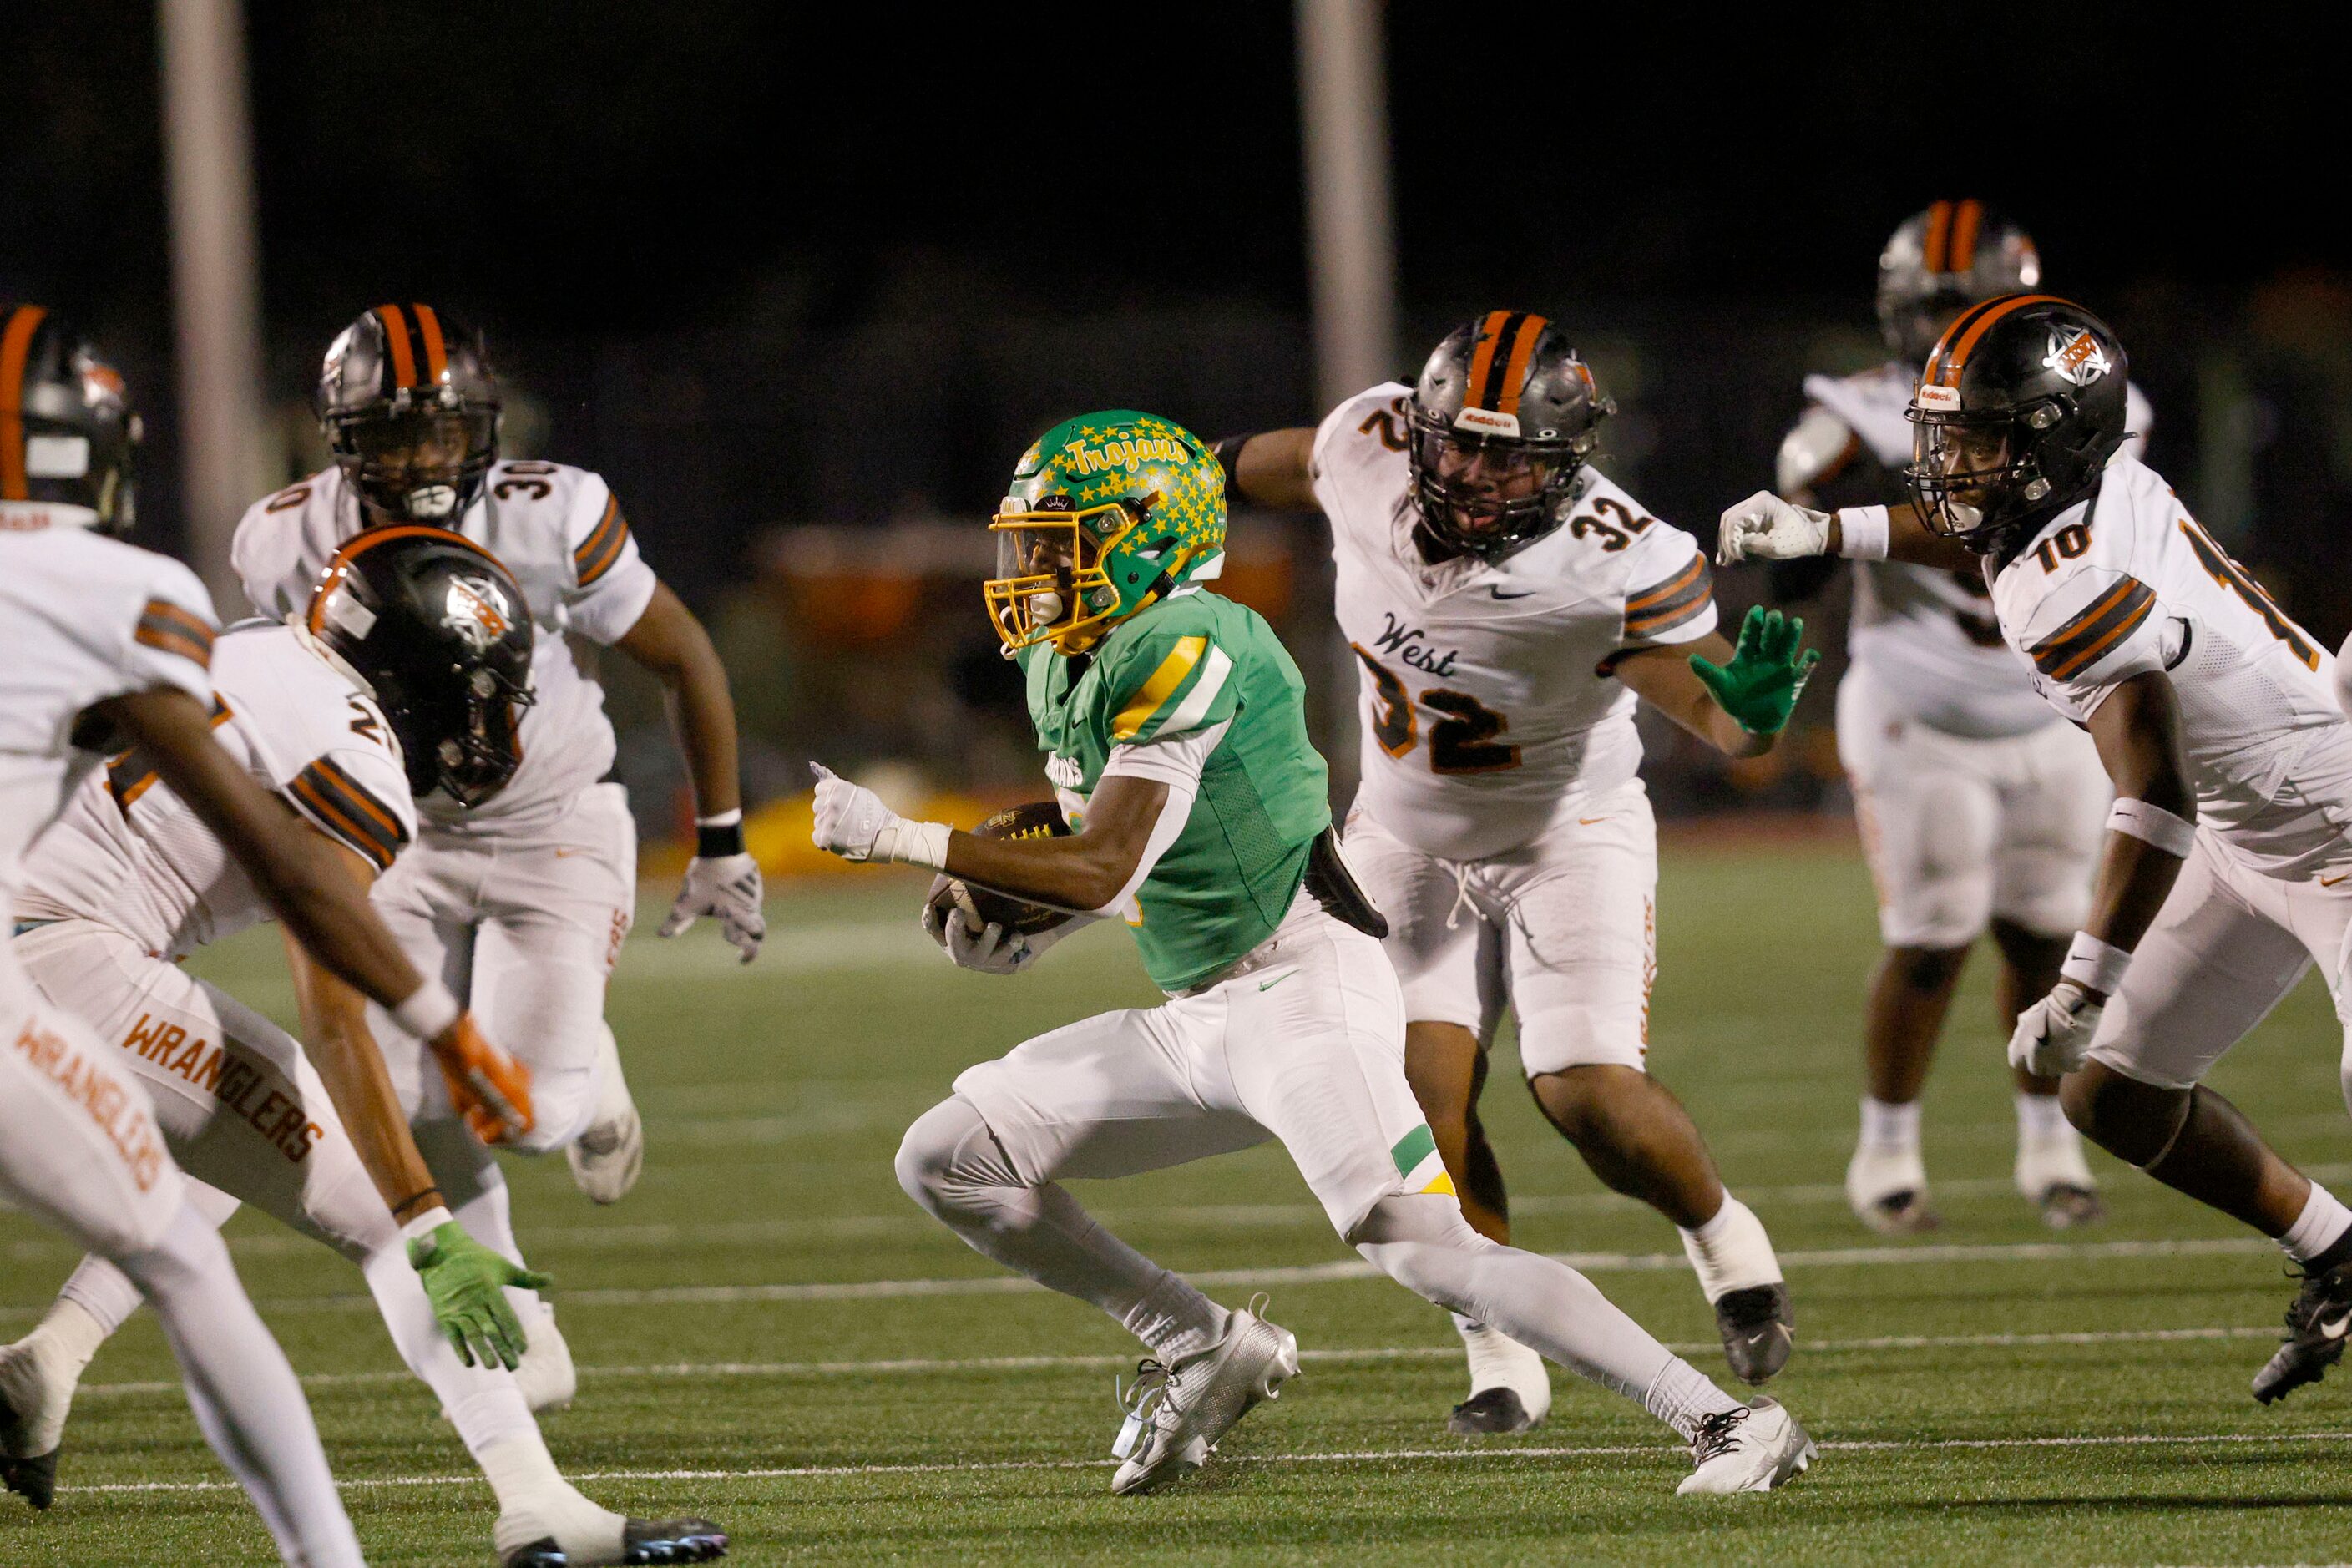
950	896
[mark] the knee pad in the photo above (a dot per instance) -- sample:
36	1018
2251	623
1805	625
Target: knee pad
948	1151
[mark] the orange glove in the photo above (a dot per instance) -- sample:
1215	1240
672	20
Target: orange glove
489	1087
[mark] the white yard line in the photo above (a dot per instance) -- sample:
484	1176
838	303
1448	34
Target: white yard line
1465	1455
921	1365
1336	1270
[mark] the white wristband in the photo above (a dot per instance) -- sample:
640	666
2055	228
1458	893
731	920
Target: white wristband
427	1011
914	843
426	1224
2093	963
720	819
2152	824
1863	532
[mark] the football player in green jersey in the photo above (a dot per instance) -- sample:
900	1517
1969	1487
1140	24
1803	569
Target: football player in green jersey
1176	739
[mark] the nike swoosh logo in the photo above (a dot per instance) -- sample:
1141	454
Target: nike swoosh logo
2336	1330
565	854
1500	594
2331	881
1270	984
1589	821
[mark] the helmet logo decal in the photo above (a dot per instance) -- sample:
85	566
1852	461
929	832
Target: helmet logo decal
1943	399
1130	454
2076	355
477	610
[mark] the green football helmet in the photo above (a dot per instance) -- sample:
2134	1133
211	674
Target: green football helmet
1106	514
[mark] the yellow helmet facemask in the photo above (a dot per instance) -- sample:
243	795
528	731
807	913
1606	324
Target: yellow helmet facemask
1050	582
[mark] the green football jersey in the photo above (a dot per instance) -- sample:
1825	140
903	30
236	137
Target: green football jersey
1187	664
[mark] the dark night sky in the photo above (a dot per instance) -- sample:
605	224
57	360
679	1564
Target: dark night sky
615	166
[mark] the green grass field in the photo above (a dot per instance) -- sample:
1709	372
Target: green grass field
768	1331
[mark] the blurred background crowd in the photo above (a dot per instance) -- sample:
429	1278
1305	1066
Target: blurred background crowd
802	286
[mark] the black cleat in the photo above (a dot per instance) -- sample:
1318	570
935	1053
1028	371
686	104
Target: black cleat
2316	1326
1490	1412
1758	1329
34	1480
642	1540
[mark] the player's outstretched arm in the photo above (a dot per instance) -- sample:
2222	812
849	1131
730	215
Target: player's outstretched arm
1087	872
1765	527
2150	831
292	869
466	1281
721	880
1271	469
1737	699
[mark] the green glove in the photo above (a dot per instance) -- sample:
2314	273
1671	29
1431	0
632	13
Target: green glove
1760	686
467	1283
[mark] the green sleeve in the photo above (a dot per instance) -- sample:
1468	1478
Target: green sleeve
1167	683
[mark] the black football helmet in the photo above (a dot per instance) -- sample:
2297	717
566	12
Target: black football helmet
2019	407
1503	417
67	433
409	402
436	628
1943	260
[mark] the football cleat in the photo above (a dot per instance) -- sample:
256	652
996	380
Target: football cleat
1489	1413
642	1540
1752	1449
605	1159
2051	1174
1887	1190
1175	1415
37	1389
1758	1329
2316	1325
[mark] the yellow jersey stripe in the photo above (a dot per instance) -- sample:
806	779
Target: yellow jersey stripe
1159	689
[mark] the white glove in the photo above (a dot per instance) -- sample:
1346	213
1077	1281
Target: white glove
2054	1033
850	818
1765	528
728	889
988	949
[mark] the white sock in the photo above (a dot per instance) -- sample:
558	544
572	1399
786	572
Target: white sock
1682	1396
1499	1360
2041	1119
2320	1226
68	1328
536	1502
1731	1251
101	1293
245	1395
1889	1127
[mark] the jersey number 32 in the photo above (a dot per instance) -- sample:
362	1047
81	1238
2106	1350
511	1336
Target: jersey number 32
1462	741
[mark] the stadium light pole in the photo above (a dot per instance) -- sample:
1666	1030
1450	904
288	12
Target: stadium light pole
215	286
1350	256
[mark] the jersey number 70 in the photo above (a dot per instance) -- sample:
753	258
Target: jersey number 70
1461	743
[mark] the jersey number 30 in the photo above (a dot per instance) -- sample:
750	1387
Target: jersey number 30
1461	743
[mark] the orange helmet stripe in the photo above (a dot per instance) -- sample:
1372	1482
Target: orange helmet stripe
16	348
1962	336
437	353
1965	221
1939	229
339	563
395	342
1482	363
1515	372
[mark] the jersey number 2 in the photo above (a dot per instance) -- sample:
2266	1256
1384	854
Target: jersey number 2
2233	577
1461	743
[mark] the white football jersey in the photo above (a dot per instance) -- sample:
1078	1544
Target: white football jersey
559	529
130	854
2129	582
1927	636
83	618
1489	706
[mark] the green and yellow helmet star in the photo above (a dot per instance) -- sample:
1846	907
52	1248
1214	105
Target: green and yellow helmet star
1106	514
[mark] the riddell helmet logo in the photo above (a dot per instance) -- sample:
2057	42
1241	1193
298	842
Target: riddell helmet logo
477	610
2075	354
1940	399
1488	421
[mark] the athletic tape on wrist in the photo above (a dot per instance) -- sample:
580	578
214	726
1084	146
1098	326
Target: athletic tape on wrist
428	1011
1863	532
2152	824
915	844
2098	965
425	1224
